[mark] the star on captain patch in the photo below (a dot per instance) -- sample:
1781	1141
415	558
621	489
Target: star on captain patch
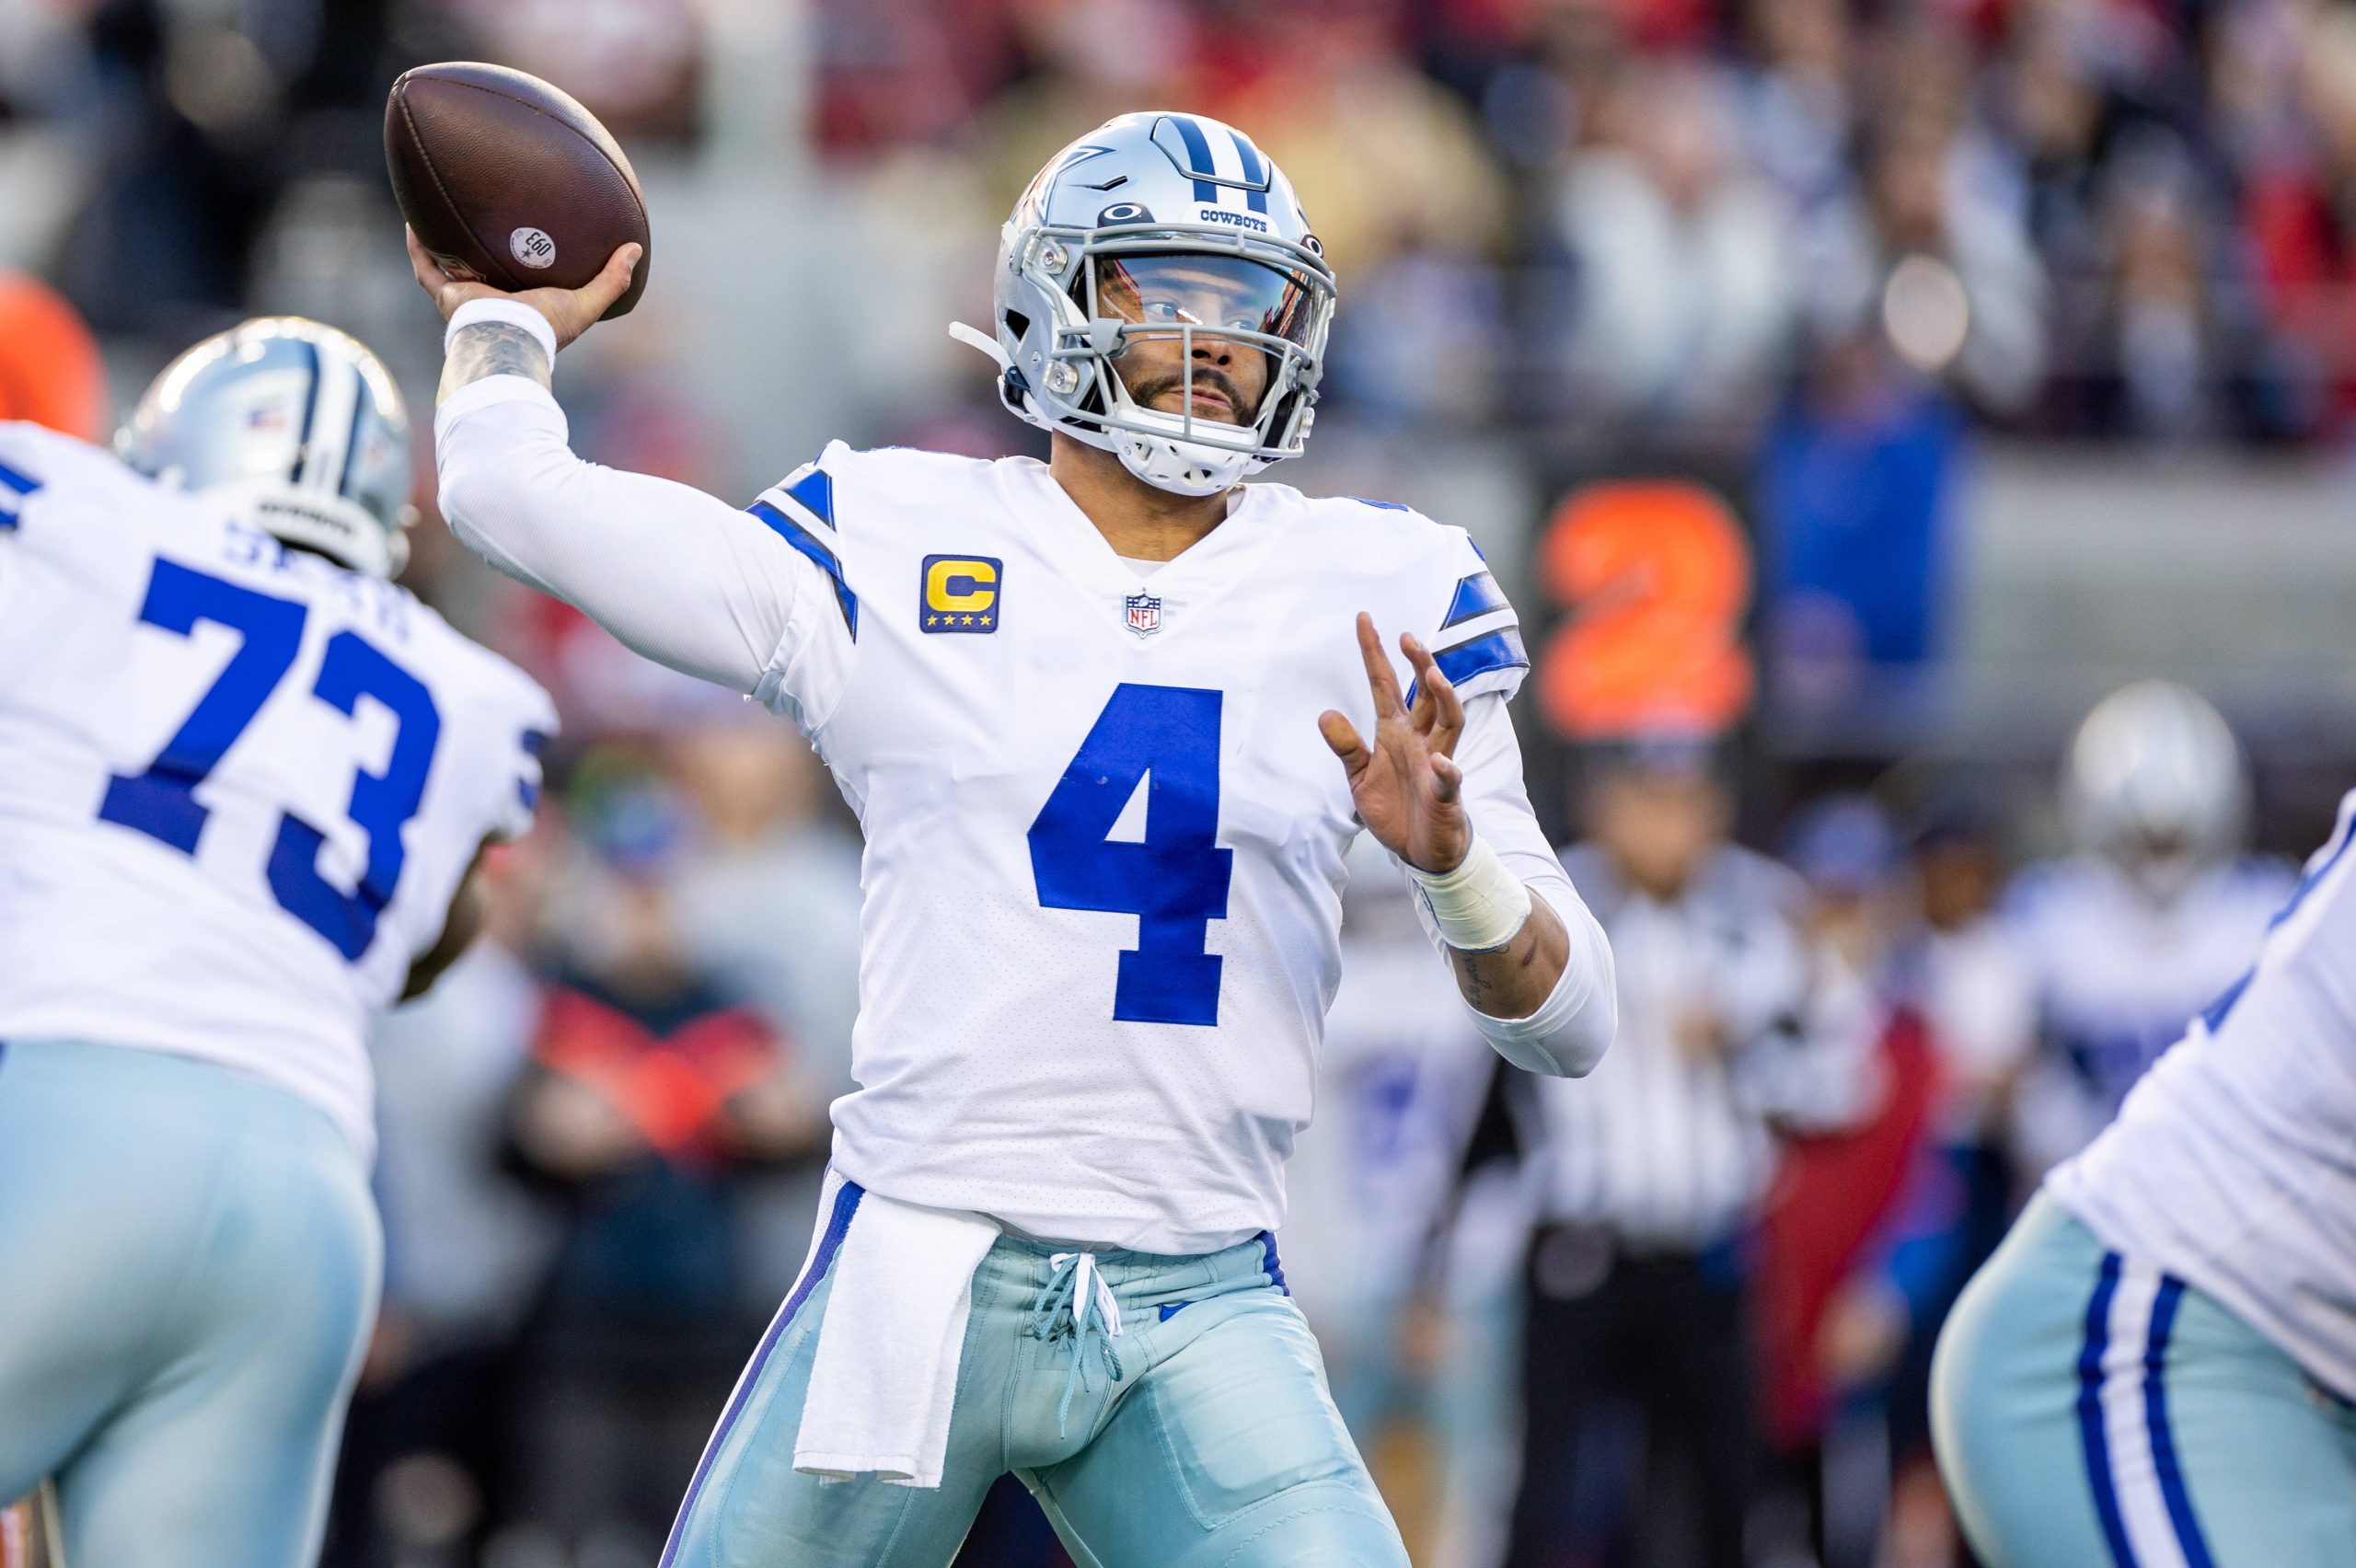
1145	613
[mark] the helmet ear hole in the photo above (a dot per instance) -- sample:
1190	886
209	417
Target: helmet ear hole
1017	323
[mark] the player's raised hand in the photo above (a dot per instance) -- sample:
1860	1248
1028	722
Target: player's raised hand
569	311
1403	778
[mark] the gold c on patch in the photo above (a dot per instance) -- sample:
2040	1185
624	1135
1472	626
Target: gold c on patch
960	593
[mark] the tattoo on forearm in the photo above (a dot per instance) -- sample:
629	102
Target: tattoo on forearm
491	348
1482	976
1513	981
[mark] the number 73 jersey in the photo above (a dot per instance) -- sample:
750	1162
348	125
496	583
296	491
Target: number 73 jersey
238	785
1104	836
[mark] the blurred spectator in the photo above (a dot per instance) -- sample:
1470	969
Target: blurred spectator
767	894
650	1093
50	372
466	1246
1795	106
1857	1237
1681	261
1733	1027
1927	249
1860	482
2151	919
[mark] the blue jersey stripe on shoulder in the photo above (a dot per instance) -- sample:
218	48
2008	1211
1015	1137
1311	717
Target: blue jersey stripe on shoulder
1383	505
816	489
1475	596
23	484
795	534
1501	650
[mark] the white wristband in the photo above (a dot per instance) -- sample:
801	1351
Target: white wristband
1478	906
512	313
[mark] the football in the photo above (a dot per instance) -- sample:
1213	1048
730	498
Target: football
508	180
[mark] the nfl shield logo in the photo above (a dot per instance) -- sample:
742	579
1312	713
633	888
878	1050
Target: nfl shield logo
1145	613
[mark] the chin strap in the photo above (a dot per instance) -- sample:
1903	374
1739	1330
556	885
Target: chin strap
974	337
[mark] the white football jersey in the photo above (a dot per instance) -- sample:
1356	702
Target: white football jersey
2233	1165
1102	877
2117	978
238	785
1104	836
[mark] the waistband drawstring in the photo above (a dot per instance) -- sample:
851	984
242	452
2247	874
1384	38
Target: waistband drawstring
1076	1287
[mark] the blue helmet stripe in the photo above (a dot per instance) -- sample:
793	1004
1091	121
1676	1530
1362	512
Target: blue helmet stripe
1198	157
1255	174
360	406
310	410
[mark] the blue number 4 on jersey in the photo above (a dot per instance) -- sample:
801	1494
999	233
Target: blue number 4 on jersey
1175	881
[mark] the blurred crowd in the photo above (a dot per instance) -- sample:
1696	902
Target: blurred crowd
1744	285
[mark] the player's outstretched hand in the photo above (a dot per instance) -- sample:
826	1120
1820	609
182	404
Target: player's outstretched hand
569	311
1404	778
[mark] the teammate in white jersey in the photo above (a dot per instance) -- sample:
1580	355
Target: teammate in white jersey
2158	1367
243	779
2155	914
1108	731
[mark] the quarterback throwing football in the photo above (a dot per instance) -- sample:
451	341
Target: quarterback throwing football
1108	727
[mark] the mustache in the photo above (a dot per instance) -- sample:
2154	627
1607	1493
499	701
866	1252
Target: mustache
1205	375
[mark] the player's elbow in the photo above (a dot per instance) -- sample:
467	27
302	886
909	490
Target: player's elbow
1588	1034
1568	1035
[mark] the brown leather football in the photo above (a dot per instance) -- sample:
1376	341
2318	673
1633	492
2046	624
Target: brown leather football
508	180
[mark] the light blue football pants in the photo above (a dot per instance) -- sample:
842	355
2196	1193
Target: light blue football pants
188	1265
2091	1411
1206	1438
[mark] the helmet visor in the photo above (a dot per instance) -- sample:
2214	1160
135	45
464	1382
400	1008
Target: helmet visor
1219	293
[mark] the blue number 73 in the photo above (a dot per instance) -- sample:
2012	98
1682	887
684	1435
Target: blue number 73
161	802
1175	881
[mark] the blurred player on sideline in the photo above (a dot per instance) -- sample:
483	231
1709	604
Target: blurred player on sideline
2155	914
2157	1369
243	783
1412	1286
1109	733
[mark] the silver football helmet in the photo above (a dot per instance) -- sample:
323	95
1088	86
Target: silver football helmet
1170	228
297	425
2156	780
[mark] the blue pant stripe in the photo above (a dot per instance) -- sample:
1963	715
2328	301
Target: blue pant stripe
2091	1435
1270	1263
2155	1415
838	1227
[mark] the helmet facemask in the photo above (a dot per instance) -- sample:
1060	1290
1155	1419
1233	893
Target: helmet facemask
1201	302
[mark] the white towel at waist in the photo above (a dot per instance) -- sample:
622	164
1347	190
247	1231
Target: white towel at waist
886	1373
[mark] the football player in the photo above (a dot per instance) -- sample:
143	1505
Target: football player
243	780
1109	726
2157	1369
2155	913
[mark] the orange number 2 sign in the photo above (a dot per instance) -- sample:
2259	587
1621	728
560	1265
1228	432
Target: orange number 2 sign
1656	576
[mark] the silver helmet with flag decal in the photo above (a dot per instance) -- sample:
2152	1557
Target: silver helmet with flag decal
297	425
1160	295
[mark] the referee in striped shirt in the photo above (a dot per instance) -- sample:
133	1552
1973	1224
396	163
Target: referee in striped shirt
1733	1027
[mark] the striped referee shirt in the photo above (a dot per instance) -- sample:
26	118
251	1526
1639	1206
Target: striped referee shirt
1669	1143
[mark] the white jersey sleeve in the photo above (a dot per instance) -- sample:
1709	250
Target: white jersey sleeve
1477	644
240	785
755	601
